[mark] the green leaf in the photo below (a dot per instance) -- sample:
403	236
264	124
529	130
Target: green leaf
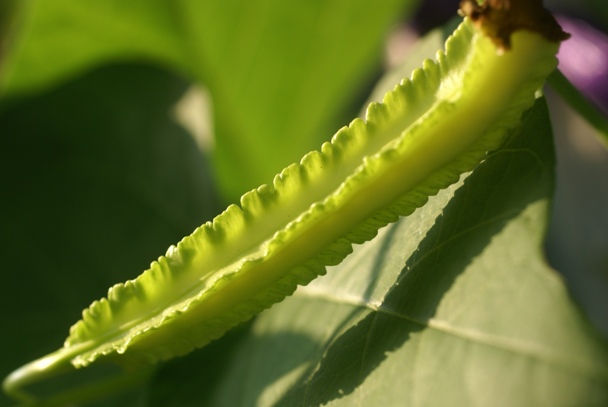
89	197
273	68
62	39
453	305
9	20
282	74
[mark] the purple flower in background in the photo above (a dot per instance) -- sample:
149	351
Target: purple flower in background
583	59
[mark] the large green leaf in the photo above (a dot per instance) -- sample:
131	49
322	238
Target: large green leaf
96	180
453	305
280	73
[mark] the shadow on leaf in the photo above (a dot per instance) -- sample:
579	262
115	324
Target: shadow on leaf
478	211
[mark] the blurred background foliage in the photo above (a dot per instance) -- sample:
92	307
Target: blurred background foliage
125	125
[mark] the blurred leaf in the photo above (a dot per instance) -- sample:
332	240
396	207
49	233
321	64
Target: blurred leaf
61	39
284	77
454	305
581	105
577	243
97	181
9	19
280	73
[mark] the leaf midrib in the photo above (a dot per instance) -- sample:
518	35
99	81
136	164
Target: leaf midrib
595	371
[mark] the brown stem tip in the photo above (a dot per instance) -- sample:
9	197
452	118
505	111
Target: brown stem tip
498	19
